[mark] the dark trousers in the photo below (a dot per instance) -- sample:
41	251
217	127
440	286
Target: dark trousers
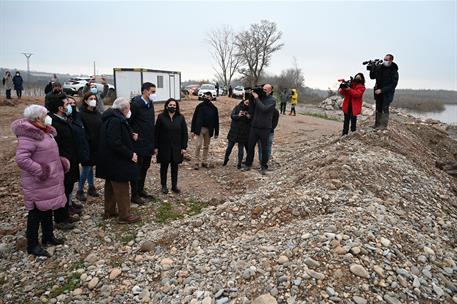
61	215
241	148
258	135
174	174
34	218
19	93
382	105
283	108
143	163
8	94
292	110
349	118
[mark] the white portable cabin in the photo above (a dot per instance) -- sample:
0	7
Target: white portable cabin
128	81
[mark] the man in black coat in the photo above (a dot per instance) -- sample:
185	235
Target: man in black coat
60	112
117	160
386	77
205	124
261	125
142	123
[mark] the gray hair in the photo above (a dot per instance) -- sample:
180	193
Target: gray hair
121	103
33	112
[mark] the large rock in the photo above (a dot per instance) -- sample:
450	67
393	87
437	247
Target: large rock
264	299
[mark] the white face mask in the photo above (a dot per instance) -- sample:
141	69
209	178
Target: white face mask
153	97
128	114
387	63
92	102
48	120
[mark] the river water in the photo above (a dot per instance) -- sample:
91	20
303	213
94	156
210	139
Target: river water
449	115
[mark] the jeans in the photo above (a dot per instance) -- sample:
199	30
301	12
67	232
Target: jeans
258	135
230	146
269	145
87	173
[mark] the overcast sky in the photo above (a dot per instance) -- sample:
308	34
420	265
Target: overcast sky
329	39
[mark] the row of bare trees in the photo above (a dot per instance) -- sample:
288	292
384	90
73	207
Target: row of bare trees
248	52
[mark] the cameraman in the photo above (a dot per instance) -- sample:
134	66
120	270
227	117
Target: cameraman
261	126
386	76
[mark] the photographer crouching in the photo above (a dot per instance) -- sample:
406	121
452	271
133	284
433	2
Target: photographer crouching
386	75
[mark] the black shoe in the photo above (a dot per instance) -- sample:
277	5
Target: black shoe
263	171
175	190
246	168
92	192
144	194
80	196
238	166
137	200
164	190
205	165
37	250
225	162
52	241
64	226
76	205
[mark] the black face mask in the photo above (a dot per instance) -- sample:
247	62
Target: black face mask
171	110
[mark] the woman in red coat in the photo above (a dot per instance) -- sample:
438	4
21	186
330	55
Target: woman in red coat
352	105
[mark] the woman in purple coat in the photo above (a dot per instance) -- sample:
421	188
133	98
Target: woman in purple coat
42	175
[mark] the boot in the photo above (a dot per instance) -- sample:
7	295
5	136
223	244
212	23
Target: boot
384	121
226	160
52	241
80	196
37	250
238	166
92	192
376	120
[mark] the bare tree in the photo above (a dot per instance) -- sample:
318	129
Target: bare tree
224	52
255	47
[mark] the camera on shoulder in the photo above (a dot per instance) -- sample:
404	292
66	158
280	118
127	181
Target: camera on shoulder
372	64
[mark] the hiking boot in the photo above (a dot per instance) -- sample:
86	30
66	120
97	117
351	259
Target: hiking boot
65	226
52	241
80	196
129	220
92	192
37	250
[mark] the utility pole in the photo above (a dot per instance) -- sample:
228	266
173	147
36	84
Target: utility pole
94	69
28	55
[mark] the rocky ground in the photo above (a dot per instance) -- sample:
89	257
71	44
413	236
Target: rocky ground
365	218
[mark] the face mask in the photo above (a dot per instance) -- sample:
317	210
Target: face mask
92	102
387	63
128	114
48	120
93	90
153	97
69	110
17	74
171	109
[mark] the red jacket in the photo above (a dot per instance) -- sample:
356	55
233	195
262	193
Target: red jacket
354	96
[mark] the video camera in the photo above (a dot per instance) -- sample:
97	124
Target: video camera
372	63
258	90
346	83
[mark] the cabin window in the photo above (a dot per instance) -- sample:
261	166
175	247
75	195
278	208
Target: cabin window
159	82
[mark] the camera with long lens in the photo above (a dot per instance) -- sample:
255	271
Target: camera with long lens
371	64
258	90
345	84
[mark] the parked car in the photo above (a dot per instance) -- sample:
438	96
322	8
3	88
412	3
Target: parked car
207	87
192	89
75	86
238	92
